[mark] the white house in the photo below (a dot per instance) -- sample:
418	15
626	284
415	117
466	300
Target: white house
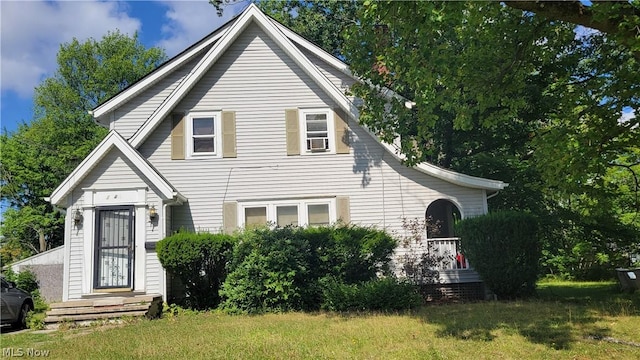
250	124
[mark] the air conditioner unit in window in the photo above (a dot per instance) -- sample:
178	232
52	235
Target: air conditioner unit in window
318	144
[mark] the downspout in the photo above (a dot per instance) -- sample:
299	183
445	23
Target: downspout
492	195
163	234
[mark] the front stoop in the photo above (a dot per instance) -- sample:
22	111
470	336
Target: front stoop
84	312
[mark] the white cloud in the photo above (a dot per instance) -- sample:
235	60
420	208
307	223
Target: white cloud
190	21
32	31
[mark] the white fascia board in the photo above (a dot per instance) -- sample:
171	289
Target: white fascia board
251	13
154	77
190	80
301	60
440	173
314	49
333	61
113	139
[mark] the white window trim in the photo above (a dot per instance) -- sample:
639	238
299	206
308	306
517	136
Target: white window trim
303	216
331	131
217	128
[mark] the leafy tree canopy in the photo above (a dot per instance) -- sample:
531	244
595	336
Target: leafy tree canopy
516	91
40	154
523	96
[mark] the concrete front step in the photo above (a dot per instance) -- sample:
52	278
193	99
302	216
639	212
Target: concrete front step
106	301
96	310
102	316
84	311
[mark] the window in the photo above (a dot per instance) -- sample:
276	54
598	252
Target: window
317	135
318	214
313	212
287	215
255	216
204	134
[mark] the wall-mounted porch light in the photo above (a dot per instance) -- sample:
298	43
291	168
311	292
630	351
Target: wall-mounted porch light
77	218
153	214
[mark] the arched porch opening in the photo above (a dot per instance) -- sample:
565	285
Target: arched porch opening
441	215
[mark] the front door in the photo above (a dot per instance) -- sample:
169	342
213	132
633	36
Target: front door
114	247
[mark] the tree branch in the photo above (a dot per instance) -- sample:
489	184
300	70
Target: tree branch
577	13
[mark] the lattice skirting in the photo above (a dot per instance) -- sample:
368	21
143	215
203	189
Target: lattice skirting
461	291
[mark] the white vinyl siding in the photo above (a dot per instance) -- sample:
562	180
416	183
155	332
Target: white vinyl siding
130	116
113	172
259	81
341	80
154	273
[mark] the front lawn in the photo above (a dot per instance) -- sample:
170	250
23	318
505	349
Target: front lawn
567	321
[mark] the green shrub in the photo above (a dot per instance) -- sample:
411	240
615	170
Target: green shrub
35	320
385	294
505	250
25	279
354	253
280	269
199	260
269	271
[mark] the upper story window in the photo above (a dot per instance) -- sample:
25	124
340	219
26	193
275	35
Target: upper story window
317	135
204	133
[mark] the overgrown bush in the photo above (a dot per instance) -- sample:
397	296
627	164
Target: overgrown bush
385	294
350	253
199	260
505	250
280	269
268	272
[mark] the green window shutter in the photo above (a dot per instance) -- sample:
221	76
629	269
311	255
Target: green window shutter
342	132
293	131
229	134
230	217
343	209
177	137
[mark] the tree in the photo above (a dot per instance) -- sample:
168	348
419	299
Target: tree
323	22
522	96
39	155
618	19
499	91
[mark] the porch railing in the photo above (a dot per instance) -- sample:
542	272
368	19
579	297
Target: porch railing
450	251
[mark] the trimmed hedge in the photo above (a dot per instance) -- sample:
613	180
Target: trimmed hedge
199	260
505	250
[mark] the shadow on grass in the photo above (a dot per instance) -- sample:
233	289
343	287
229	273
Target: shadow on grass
561	315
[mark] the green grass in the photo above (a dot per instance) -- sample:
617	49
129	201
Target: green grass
562	323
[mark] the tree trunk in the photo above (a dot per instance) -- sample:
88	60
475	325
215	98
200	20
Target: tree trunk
41	240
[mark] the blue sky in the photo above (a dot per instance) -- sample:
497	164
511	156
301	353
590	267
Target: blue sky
31	33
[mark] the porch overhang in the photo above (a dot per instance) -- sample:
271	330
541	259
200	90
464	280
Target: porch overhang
115	141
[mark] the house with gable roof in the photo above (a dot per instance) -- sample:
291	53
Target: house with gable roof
249	125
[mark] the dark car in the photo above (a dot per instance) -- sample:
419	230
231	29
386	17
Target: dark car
15	304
